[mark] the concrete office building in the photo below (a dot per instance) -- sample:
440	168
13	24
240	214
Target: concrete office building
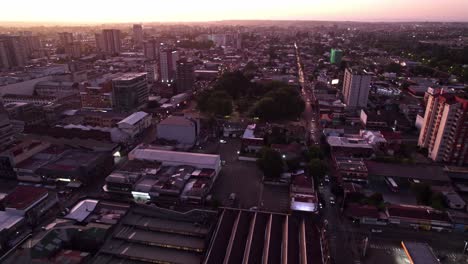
185	76
335	56
111	41
6	129
137	35
151	49
12	52
356	86
168	65
65	38
445	127
129	92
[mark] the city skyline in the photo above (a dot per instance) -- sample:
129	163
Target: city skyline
51	11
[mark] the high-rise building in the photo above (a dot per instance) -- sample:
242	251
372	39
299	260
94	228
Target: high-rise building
335	56
445	127
151	70
185	76
151	49
129	92
168	65
356	86
112	43
137	35
12	52
6	129
99	42
73	49
65	38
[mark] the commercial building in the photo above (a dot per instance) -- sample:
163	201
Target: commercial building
419	253
17	153
185	76
445	127
156	235
78	166
6	129
244	236
111	40
176	158
168	65
356	87
151	49
135	123
184	130
129	92
137	35
335	56
65	38
55	88
351	170
12	52
101	119
96	98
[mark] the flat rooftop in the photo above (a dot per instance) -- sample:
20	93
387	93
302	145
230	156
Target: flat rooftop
129	76
419	253
23	197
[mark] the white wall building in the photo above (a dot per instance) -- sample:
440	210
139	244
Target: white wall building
356	86
135	123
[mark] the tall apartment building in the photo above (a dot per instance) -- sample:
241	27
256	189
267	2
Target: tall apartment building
185	76
6	128
111	42
356	86
168	65
12	52
151	71
335	56
129	92
65	38
151	49
445	127
137	35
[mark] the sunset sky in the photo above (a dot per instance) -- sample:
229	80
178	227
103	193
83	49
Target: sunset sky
91	11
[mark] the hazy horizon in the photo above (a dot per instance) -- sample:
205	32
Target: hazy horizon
186	11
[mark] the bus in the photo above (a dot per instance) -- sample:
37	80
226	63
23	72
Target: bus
391	184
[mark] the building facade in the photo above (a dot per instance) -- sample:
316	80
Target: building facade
12	52
137	35
111	41
356	86
185	76
168	65
129	92
151	49
335	56
445	127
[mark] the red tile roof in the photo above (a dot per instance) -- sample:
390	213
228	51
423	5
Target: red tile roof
417	212
23	196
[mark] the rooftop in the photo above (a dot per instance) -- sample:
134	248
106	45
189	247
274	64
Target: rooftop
8	220
128	76
134	118
23	197
419	253
177	121
415	171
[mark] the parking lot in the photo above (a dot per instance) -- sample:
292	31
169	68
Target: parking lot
245	180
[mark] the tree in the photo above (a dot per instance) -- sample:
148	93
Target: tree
270	162
318	169
215	102
393	67
376	199
314	152
234	83
423	193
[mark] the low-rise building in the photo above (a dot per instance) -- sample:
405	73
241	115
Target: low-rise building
185	130
351	170
418	217
135	123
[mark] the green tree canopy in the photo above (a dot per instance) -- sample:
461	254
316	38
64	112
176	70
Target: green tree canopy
270	162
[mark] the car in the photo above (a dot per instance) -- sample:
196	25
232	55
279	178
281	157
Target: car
332	200
320	205
376	230
222	141
232	197
253	208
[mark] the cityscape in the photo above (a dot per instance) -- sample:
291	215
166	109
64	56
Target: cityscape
234	132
